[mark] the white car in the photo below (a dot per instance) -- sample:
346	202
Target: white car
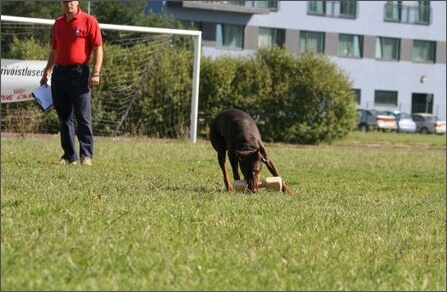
405	122
386	122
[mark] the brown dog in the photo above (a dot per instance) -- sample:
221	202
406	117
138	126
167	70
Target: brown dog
234	131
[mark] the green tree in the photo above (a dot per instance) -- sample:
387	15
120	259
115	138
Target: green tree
35	9
108	12
310	101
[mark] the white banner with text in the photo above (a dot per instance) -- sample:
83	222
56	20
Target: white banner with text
20	78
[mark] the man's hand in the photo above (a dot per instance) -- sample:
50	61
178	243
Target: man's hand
93	81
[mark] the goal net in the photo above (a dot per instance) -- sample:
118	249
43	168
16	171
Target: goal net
149	80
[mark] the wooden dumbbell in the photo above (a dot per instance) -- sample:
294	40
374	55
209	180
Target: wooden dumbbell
273	183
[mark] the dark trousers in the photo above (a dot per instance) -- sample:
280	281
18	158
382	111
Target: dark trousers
72	99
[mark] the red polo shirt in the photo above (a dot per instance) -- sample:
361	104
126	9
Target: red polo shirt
74	40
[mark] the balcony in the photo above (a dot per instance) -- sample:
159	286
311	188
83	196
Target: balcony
244	7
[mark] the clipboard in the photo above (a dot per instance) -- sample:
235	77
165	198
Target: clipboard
43	96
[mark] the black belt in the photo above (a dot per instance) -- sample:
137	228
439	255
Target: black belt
70	66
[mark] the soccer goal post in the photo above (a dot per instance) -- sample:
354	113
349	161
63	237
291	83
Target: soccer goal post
140	35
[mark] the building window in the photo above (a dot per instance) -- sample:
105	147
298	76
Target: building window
350	46
345	9
271	5
419	13
348	9
423	51
387	98
316	7
422	12
387	49
312	41
229	35
271	36
357	95
393	11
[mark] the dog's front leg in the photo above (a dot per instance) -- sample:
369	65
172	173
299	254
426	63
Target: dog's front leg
274	171
271	166
285	189
221	158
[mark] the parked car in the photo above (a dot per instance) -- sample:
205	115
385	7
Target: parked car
386	122
366	120
369	120
428	123
405	122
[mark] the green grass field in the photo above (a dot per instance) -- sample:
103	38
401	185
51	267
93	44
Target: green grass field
368	213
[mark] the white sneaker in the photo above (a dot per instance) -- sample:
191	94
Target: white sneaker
64	161
86	161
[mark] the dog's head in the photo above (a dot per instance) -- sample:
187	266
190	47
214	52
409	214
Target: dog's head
250	162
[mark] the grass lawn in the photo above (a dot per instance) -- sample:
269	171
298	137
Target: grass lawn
367	213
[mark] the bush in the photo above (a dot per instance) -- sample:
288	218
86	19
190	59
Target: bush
303	99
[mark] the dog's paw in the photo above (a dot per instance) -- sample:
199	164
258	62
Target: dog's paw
286	189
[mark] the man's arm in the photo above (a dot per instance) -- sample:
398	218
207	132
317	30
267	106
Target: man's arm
48	68
97	59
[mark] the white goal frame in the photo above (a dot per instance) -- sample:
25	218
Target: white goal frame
197	54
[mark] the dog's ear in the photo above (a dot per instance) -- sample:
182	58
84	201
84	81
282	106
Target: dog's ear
240	155
263	154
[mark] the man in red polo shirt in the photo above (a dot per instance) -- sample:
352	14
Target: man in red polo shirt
76	37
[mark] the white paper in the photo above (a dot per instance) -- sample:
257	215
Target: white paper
43	96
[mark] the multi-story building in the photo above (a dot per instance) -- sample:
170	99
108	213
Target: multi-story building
394	52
